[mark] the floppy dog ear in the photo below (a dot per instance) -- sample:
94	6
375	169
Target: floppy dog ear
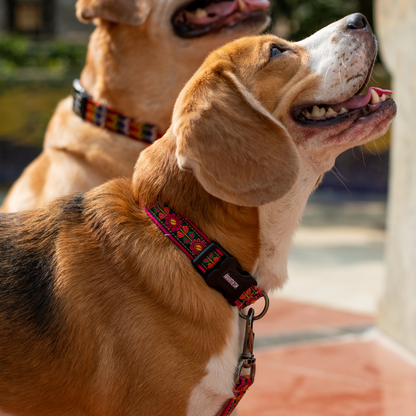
236	149
130	12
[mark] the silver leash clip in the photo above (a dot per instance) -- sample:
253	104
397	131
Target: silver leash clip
247	359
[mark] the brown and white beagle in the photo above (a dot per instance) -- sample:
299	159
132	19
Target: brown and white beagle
140	56
100	313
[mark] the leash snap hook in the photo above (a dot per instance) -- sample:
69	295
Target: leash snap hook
246	364
247	359
263	312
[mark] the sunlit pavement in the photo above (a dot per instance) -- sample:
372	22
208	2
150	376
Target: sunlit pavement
337	256
318	361
318	352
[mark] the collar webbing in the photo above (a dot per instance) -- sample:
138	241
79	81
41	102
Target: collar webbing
110	119
219	269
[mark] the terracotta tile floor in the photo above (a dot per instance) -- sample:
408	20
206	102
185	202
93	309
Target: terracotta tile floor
286	316
346	376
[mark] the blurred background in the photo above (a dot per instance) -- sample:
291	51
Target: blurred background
341	337
43	47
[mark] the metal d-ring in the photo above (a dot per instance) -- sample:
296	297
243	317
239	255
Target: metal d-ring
251	366
263	312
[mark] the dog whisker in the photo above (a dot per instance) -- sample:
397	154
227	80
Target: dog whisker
362	154
369	150
340	174
345	186
384	142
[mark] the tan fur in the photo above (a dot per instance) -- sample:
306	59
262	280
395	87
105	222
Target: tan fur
222	97
92	364
101	314
136	65
127	12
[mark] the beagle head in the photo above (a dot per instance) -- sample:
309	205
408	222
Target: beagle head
182	19
144	51
261	110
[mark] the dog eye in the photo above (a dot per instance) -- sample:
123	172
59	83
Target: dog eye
275	51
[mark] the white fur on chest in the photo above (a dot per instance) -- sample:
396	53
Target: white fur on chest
216	387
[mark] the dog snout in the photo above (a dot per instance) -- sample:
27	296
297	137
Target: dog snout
358	21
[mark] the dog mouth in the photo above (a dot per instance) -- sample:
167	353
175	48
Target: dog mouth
355	107
201	17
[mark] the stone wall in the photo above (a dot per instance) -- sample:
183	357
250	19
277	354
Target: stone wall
396	29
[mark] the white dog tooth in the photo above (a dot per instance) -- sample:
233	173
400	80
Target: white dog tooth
375	99
197	13
242	4
306	113
317	112
331	113
201	13
343	110
383	97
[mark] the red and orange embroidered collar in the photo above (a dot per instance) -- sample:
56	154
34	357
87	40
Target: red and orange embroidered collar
219	269
110	119
222	272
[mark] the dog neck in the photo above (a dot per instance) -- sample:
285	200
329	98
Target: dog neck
278	222
157	176
260	238
124	72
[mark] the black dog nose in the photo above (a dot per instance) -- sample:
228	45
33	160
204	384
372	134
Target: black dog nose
357	21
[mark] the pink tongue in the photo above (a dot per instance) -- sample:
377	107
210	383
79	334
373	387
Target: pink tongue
218	10
222	9
258	4
359	101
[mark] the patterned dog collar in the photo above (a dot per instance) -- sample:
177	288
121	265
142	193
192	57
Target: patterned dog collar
104	117
219	269
222	272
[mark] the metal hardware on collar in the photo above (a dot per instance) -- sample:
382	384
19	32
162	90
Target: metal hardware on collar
219	269
246	364
263	312
247	359
227	276
79	104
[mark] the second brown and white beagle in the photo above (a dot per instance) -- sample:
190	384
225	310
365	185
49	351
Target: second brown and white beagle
140	55
100	313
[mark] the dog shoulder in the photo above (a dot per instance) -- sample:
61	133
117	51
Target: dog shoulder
28	259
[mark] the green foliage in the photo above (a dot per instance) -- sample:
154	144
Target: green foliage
20	52
298	19
27	107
